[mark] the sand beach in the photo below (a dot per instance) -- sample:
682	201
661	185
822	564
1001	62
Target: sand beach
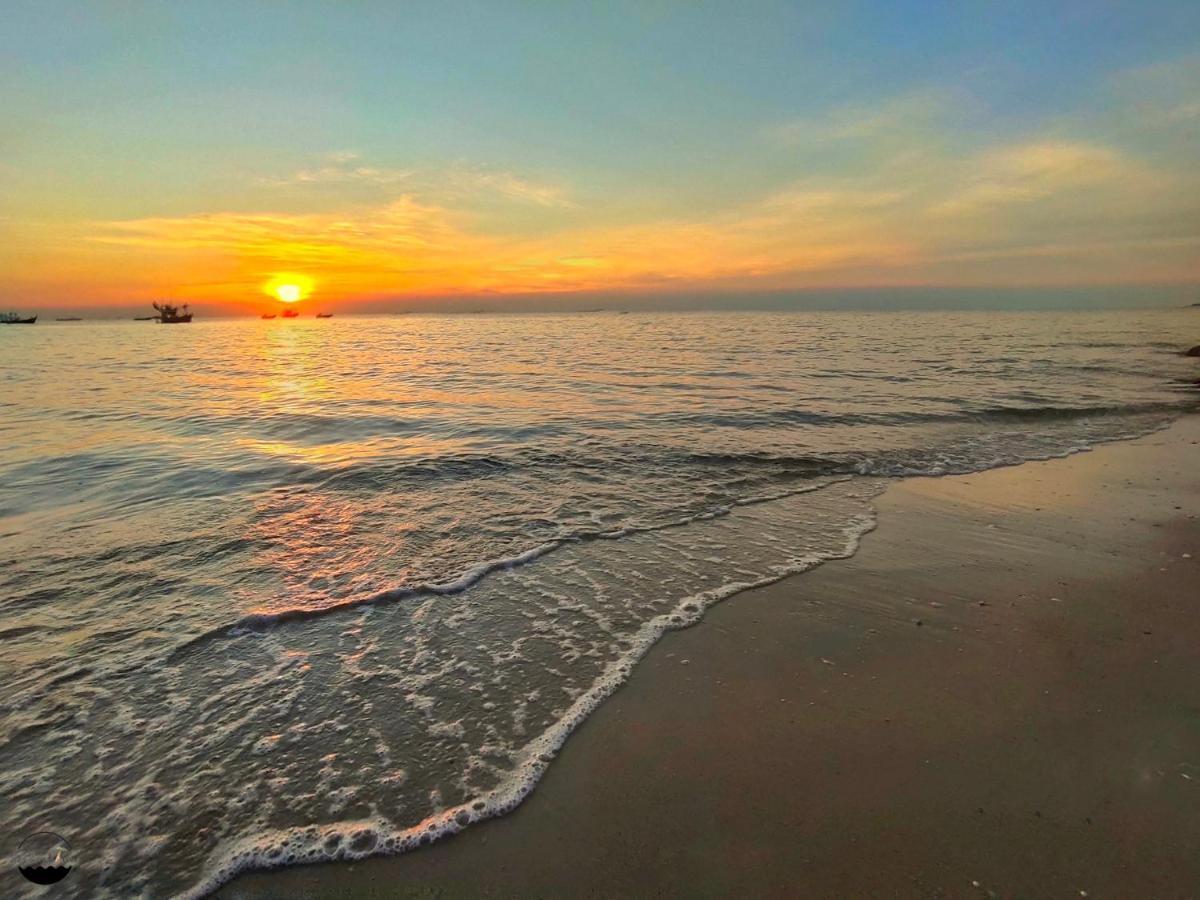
995	697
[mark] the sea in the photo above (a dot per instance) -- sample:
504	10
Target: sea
274	592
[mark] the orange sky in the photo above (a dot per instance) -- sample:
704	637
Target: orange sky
147	171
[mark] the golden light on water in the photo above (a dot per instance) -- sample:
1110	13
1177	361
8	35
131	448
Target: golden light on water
288	287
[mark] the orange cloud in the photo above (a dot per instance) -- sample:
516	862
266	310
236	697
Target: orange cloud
1043	210
409	247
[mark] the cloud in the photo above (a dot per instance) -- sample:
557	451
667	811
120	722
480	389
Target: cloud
339	171
509	186
911	113
898	193
407	245
813	198
1165	95
459	182
1058	205
402	225
1038	170
402	245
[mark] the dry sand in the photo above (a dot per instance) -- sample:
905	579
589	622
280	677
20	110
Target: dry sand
999	695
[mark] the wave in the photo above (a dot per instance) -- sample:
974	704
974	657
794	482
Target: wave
275	583
149	476
471	576
968	414
816	470
358	839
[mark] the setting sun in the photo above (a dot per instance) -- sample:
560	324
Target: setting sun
289	287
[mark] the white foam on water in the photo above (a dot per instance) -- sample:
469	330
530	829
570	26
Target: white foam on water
255	622
362	838
380	725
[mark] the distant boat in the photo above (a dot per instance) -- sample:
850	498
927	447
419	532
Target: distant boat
69	319
268	315
289	314
11	318
172	315
324	315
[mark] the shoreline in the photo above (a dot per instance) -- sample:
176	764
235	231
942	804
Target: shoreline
838	646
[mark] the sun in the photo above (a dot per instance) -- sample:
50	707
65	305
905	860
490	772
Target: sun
288	293
289	287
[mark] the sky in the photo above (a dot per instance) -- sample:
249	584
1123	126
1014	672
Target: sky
450	152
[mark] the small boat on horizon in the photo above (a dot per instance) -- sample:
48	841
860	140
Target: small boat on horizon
324	315
68	319
268	315
172	315
289	314
12	318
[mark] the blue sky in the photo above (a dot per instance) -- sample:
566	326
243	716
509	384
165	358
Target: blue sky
681	146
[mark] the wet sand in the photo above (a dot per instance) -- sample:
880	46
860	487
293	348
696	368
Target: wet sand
999	695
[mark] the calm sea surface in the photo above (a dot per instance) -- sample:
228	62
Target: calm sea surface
274	591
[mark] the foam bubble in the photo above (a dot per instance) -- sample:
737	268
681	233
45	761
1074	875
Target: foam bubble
381	835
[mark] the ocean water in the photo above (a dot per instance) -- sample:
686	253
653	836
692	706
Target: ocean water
279	591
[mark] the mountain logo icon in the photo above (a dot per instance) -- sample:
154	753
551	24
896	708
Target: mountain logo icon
45	858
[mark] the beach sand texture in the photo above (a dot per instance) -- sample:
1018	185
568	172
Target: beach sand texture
997	696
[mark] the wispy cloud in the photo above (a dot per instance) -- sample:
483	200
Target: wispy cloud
459	182
407	245
340	168
815	197
909	113
1052	203
1066	197
1040	170
877	195
507	185
1163	95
